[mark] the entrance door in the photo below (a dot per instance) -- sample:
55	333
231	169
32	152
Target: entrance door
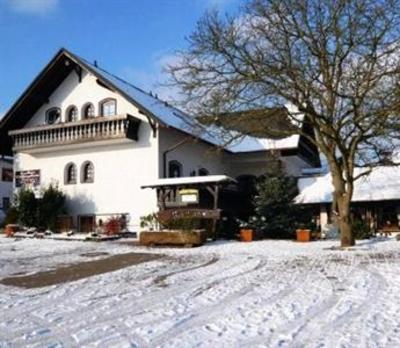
86	223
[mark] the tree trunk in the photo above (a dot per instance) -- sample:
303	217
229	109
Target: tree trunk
342	197
345	225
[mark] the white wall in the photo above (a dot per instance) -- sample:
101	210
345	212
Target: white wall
73	92
120	169
193	155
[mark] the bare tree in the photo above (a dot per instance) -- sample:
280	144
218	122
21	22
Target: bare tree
335	61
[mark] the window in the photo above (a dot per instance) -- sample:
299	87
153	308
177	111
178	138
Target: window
53	115
203	172
87	172
108	107
6	203
71	114
88	111
70	174
174	169
7	174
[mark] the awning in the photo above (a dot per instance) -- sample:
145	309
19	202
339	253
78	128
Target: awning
189	180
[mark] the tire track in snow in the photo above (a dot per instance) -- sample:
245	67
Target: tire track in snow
206	314
62	297
137	306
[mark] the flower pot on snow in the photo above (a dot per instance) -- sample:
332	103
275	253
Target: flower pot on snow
246	235
303	235
11	229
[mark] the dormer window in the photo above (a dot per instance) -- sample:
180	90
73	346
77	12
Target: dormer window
88	111
53	115
108	107
72	114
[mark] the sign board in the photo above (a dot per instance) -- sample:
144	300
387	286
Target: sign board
27	178
174	214
189	196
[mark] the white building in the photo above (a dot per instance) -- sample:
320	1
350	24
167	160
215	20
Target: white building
100	139
6	185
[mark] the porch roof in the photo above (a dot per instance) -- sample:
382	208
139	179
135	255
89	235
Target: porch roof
189	180
382	184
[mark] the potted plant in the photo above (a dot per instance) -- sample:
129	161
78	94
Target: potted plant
303	233
248	229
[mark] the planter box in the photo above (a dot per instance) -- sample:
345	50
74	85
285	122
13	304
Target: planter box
246	235
191	238
303	235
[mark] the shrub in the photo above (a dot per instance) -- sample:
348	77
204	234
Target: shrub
51	205
113	225
150	221
26	206
360	230
186	224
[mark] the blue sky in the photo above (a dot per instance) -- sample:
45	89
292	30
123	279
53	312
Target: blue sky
131	38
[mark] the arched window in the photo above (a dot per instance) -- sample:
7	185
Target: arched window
87	172
70	174
53	115
72	114
108	107
174	169
87	111
203	172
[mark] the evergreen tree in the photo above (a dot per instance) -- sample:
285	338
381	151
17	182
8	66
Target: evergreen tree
276	213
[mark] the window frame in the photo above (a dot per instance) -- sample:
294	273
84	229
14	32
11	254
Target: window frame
203	172
84	178
4	176
48	111
105	101
68	111
179	165
67	180
83	111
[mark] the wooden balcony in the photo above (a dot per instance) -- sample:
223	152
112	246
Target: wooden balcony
121	127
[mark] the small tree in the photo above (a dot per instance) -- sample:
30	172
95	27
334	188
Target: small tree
50	207
26	206
274	205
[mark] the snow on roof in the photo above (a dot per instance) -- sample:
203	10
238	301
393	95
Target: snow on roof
382	184
172	117
189	180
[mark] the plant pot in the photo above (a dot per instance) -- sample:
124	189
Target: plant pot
246	235
303	235
11	229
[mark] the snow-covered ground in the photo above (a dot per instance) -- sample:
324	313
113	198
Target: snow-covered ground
224	294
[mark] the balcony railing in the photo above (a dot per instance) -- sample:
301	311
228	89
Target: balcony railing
93	129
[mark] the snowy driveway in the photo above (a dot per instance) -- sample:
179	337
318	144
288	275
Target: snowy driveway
226	294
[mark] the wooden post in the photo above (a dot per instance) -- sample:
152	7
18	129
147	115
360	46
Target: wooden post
215	193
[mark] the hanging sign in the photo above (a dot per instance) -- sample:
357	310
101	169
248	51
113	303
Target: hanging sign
189	195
